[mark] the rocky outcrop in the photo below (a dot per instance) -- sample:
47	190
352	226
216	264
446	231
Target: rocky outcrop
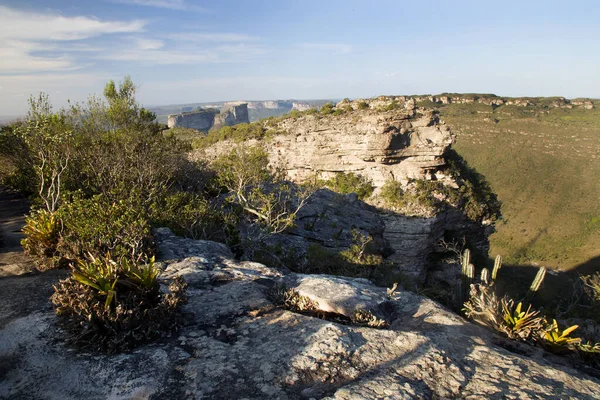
237	343
205	119
496	101
400	144
232	116
389	139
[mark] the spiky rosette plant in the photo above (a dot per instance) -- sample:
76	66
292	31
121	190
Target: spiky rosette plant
112	305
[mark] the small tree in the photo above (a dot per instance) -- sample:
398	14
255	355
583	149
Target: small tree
259	189
49	137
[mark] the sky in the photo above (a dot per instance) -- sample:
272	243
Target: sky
185	51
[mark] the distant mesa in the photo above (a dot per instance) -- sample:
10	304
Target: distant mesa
204	119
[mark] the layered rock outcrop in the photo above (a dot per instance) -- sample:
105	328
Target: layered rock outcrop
383	139
237	343
205	119
399	144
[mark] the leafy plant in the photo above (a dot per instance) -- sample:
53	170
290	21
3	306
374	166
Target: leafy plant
42	231
363	105
518	324
367	318
349	182
99	274
99	226
555	338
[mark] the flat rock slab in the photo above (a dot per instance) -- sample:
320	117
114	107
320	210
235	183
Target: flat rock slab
338	294
236	344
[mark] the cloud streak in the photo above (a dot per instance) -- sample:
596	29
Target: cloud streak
180	5
333	48
26	38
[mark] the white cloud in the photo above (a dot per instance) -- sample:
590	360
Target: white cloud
334	48
42	27
150	51
181	5
149	44
30	41
212	37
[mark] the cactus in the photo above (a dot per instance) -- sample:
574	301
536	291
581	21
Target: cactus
467	275
470	272
539	278
485	275
497	266
535	285
466	260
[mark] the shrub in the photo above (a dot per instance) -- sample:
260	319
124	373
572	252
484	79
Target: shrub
394	105
592	285
192	216
259	189
419	198
327	109
16	164
237	133
99	226
363	105
42	232
502	315
112	305
350	182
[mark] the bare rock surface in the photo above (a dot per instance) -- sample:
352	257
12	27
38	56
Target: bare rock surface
13	208
236	344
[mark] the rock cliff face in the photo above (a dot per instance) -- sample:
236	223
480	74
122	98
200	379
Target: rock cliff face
399	144
492	100
237	343
232	116
203	120
383	139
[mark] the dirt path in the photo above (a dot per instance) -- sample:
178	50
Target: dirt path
12	218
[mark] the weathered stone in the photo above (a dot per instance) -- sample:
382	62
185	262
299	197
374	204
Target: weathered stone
205	119
238	345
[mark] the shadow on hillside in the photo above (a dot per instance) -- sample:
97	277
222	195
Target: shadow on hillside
561	294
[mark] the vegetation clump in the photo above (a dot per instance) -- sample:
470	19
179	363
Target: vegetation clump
111	306
519	323
349	182
98	172
290	299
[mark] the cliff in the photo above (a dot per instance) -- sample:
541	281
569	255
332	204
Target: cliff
204	120
384	139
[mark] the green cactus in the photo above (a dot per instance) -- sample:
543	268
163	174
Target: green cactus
466	260
467	275
497	266
485	276
535	285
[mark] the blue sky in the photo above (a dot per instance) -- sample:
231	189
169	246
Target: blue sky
181	51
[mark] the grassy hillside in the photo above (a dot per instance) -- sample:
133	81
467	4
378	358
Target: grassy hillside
544	164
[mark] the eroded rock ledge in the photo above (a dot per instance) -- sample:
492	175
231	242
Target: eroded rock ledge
237	345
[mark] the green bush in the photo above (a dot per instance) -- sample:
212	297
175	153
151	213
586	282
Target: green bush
42	233
327	109
100	226
394	105
350	182
363	105
418	199
237	133
112	305
192	216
